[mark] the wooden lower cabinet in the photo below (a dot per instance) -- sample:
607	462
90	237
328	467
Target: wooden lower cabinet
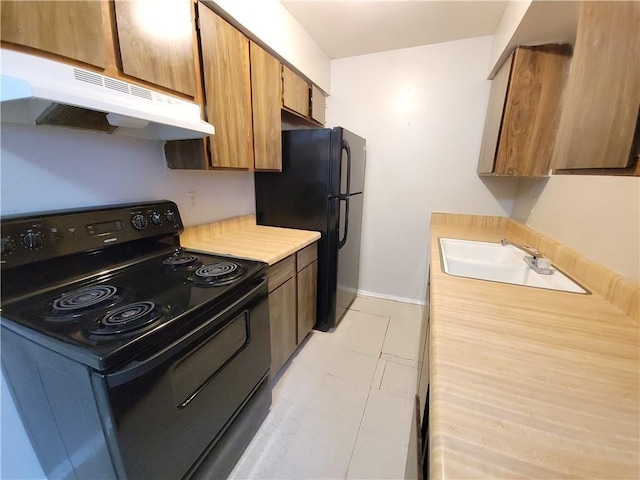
307	298
418	455
292	303
282	312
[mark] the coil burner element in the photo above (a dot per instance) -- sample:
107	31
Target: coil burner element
180	260
127	318
74	303
217	274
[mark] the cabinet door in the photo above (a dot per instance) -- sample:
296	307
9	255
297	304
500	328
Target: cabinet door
603	91
74	30
282	314
266	88
318	105
295	95
525	132
493	122
307	299
156	42
227	87
532	111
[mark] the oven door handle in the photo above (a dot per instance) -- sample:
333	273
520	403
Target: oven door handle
137	368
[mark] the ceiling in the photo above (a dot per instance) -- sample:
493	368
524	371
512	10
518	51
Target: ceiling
348	28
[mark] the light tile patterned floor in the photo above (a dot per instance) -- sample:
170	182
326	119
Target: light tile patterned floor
342	406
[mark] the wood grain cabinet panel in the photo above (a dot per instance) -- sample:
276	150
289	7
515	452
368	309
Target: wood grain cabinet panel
306	255
603	90
318	105
295	93
524	111
266	88
74	30
282	314
281	272
156	40
307	299
227	87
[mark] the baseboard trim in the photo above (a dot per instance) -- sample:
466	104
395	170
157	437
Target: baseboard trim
382	296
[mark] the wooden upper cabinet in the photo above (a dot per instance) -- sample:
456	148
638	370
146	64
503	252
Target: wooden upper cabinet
603	90
227	87
266	87
318	105
524	111
295	93
73	29
156	40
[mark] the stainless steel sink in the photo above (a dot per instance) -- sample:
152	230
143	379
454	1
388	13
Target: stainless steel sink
498	263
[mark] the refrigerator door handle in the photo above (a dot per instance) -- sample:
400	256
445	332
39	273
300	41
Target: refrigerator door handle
347	148
342	242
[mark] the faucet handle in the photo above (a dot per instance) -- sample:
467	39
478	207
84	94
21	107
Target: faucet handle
544	262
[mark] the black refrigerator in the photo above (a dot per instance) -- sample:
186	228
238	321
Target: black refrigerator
320	188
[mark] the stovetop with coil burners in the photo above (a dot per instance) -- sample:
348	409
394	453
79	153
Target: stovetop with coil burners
105	320
101	284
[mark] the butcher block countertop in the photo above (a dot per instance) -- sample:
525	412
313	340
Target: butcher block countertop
241	237
526	382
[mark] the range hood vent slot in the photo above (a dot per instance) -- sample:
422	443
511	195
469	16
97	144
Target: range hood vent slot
116	85
141	92
75	117
88	77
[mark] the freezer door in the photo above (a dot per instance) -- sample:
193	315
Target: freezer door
349	234
297	197
352	162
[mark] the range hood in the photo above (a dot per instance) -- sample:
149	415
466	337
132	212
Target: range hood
38	91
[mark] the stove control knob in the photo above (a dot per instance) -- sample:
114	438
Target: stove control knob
156	218
32	240
6	245
171	216
139	222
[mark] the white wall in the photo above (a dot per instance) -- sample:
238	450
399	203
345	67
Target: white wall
422	112
599	216
46	168
272	23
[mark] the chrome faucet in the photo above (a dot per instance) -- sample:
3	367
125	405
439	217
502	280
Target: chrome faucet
533	258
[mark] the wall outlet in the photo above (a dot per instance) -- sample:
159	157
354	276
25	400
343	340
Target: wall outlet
191	203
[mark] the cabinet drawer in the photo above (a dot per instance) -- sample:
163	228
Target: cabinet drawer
307	255
280	272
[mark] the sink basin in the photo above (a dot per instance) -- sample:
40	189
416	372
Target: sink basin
498	263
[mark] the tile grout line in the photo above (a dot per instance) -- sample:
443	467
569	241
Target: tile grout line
368	396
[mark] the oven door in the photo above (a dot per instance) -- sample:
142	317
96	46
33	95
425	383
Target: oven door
165	410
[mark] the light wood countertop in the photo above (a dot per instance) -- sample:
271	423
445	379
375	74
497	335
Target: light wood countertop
526	382
241	237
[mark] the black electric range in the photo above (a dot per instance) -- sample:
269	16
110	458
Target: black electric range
153	349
